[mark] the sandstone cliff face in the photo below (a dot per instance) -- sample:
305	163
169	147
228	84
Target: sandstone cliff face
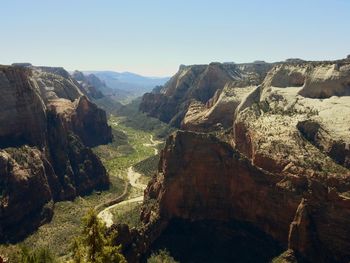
284	169
22	111
46	124
195	89
201	178
218	112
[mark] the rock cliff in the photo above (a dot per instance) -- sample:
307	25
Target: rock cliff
199	93
283	168
46	124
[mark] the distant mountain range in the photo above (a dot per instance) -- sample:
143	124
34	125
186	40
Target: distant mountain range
135	85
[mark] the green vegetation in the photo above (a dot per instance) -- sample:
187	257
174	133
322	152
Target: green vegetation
147	167
129	147
22	254
66	222
129	215
162	256
140	121
41	255
118	157
287	256
93	246
286	110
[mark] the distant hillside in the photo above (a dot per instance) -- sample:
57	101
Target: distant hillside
96	88
133	83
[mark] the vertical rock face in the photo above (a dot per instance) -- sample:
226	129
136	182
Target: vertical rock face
46	125
190	94
25	177
22	113
201	177
283	169
322	77
320	228
90	123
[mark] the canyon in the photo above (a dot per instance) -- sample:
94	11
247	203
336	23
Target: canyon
257	170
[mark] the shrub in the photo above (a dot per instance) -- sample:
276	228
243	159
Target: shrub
41	255
162	256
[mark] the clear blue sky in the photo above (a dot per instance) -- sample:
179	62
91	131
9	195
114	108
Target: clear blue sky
153	37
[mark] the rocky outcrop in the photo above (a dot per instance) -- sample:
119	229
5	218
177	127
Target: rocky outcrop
90	123
287	75
46	125
224	182
284	169
277	128
218	112
191	93
320	229
327	80
26	199
338	150
202	178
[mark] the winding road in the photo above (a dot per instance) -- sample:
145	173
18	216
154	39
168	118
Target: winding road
134	180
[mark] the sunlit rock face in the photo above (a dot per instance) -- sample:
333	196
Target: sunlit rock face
197	95
281	166
46	124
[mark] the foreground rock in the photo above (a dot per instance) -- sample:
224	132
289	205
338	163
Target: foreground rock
202	178
281	168
46	123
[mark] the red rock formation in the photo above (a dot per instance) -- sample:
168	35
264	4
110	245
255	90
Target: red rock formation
227	186
285	171
25	191
202	178
56	122
320	229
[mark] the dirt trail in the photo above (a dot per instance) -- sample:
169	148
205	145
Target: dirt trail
134	180
107	216
153	144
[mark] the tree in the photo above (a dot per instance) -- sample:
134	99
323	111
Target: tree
93	246
41	255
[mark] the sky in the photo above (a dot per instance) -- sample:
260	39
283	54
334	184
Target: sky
153	37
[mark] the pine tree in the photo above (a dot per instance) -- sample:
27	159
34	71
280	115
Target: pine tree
93	236
93	246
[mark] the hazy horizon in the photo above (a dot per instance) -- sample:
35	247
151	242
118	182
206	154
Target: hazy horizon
153	38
